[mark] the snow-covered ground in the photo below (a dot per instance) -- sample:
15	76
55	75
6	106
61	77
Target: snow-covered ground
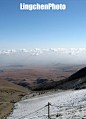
27	108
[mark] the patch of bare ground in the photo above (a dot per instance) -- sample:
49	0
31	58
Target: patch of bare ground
9	94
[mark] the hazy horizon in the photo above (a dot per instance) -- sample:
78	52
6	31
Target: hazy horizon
44	56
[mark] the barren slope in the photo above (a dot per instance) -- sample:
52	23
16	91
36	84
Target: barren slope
8	92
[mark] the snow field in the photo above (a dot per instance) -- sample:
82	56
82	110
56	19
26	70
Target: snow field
24	108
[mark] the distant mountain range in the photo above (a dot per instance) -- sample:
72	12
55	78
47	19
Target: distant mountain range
75	81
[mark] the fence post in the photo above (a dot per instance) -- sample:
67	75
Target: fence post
49	110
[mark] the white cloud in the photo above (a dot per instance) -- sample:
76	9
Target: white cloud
36	51
7	51
52	55
45	50
13	51
24	50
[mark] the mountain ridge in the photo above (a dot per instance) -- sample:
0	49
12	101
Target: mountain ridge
75	81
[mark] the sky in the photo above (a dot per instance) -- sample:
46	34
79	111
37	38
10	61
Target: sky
21	31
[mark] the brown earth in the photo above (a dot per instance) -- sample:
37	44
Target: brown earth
8	92
75	81
27	76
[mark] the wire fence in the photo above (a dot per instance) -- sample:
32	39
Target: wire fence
55	114
32	112
49	116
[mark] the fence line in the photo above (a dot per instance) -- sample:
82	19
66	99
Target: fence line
49	104
67	106
32	112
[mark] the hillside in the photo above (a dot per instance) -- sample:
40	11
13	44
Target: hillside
8	92
75	81
69	104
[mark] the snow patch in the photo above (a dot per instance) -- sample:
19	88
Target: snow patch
77	99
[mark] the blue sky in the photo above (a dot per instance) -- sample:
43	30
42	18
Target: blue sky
59	36
42	29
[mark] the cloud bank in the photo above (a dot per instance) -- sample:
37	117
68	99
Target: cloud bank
37	56
36	51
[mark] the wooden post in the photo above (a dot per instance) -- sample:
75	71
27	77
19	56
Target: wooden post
49	110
